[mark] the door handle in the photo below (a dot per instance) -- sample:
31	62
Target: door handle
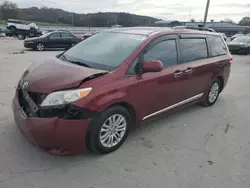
188	71
178	73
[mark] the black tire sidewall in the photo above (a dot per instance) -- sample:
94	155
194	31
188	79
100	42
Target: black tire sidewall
12	28
94	143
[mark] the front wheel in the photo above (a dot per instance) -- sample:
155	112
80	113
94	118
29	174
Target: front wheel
39	47
212	94
109	131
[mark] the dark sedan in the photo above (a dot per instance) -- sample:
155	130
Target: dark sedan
57	39
240	45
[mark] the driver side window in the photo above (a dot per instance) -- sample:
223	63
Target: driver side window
165	51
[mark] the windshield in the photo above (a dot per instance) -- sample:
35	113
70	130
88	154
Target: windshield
105	50
242	39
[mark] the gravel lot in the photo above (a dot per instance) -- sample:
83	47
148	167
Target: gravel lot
198	147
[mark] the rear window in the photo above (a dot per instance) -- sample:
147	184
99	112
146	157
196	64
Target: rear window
193	49
217	45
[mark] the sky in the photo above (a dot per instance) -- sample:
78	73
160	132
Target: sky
164	9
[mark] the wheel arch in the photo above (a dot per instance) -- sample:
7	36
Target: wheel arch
131	110
221	79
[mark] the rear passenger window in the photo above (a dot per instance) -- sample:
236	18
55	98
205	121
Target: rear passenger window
217	45
164	51
193	49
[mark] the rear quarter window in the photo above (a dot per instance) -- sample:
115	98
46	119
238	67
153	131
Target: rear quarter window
217	45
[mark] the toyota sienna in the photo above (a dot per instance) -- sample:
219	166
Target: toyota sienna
92	94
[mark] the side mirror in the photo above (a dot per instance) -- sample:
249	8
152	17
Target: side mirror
152	66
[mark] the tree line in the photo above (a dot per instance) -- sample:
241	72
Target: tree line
9	10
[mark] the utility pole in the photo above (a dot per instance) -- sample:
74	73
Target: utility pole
206	11
72	19
189	18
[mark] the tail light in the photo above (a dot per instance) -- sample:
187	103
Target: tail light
230	60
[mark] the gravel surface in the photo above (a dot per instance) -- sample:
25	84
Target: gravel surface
197	147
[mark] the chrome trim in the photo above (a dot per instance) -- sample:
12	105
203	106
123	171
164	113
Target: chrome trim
174	106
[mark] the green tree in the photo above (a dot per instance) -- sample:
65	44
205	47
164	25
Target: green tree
245	21
8	10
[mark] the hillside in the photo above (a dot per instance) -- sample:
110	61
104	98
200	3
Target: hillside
50	15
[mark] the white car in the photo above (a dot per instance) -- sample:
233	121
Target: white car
14	25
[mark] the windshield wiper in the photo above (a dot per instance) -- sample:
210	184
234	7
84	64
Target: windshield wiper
79	63
75	62
63	56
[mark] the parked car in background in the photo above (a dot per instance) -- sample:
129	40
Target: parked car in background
57	39
87	35
240	45
116	26
5	32
236	35
15	25
96	91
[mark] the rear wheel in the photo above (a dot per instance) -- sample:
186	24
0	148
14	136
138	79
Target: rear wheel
13	29
212	94
20	37
109	131
39	47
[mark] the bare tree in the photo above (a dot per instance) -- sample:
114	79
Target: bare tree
8	10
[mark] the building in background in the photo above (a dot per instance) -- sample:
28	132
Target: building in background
224	27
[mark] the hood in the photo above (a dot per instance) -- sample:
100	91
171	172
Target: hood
55	74
236	43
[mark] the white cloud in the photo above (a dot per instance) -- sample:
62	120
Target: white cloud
173	10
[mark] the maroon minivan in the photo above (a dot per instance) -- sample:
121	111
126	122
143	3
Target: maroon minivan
93	93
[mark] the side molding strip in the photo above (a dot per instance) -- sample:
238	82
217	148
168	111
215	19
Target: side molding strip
174	106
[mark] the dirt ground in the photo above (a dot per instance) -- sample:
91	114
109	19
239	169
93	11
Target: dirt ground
197	147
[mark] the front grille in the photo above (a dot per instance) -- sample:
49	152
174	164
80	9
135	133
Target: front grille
30	109
23	103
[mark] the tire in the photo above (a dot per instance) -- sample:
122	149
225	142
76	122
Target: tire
212	94
20	37
102	126
13	29
39	47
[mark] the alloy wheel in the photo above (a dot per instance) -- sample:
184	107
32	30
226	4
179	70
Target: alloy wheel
113	130
214	92
40	47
